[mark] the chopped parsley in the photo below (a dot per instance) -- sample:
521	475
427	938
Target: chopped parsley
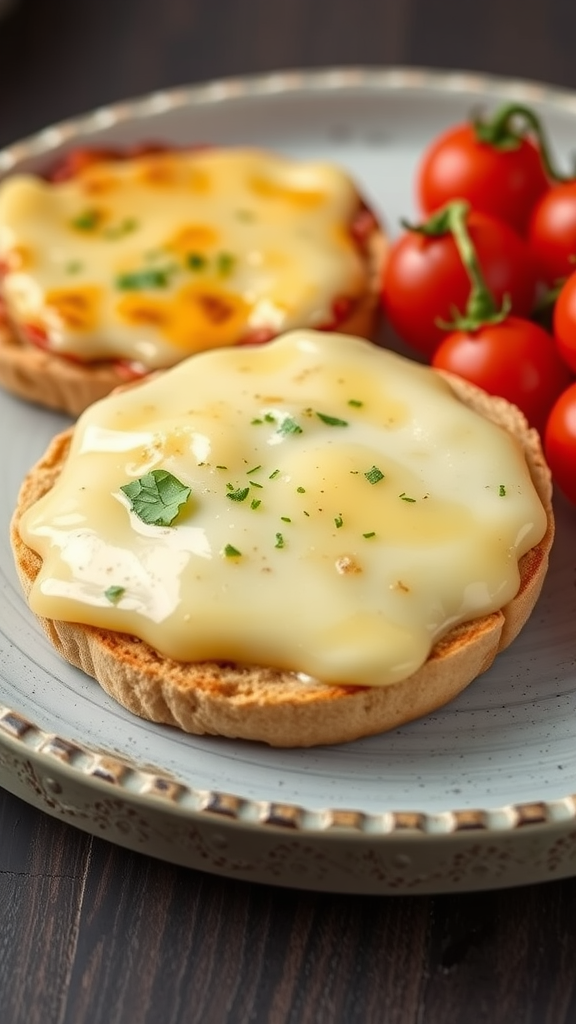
73	267
331	421
125	227
231	552
374	475
405	497
156	497
114	593
502	491
195	261
87	220
279	541
301	490
289	426
255	503
355	402
225	263
368	535
338	520
274	474
285	519
253	470
146	279
240	494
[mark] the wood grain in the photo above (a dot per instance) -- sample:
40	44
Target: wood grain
93	934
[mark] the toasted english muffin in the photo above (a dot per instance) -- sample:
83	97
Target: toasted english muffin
123	264
292	707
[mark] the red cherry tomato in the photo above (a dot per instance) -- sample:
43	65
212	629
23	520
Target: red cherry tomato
552	233
504	182
564	321
515	359
560	442
424	280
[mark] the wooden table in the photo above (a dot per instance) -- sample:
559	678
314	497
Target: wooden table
92	933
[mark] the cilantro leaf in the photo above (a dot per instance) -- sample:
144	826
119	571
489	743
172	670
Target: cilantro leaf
156	497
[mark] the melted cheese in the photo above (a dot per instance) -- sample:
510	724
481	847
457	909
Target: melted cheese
154	258
345	511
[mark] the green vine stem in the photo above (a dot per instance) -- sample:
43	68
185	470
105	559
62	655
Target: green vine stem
480	306
509	126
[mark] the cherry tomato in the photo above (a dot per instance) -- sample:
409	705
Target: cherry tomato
515	359
424	280
505	183
564	321
560	442
552	232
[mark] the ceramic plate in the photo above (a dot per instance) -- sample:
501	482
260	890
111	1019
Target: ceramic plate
480	794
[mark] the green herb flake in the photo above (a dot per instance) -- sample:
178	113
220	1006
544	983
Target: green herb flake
289	426
301	490
73	267
253	483
405	497
255	503
195	261
502	491
279	541
238	495
256	421
125	227
368	535
221	467
374	475
274	474
338	520
253	470
285	519
88	220
331	421
231	552
114	593
355	402
156	497
269	418
148	279
225	263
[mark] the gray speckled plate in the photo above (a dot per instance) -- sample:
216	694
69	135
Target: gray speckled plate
480	794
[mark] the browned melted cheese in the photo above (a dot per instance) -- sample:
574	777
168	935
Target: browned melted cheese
156	257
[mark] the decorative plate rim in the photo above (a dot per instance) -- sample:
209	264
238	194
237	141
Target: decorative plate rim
107	769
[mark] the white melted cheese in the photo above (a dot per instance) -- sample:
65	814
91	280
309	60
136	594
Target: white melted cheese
345	511
153	258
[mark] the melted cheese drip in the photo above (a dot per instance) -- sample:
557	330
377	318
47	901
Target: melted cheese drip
154	258
378	512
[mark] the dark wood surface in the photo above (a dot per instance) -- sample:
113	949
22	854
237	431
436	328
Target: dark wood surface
93	934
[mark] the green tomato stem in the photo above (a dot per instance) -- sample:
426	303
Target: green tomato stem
506	131
480	306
